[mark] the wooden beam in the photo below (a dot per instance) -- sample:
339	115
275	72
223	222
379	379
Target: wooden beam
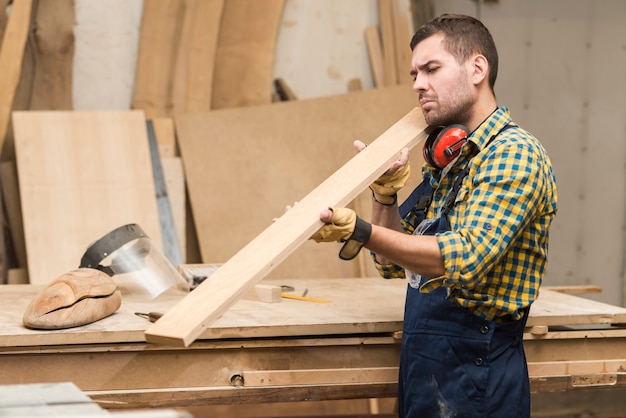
247	39
13	207
195	62
375	51
252	378
46	76
187	319
402	35
11	54
176	55
387	35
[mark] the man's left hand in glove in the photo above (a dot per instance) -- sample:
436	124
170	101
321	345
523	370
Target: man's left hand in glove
343	225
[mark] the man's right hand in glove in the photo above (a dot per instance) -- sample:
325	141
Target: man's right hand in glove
386	187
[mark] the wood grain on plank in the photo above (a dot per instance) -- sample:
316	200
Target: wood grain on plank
188	319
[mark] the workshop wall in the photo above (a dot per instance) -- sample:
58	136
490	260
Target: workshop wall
562	66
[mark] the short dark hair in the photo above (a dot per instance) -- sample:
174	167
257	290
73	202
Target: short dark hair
464	36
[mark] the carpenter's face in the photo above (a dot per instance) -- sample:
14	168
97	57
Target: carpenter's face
446	93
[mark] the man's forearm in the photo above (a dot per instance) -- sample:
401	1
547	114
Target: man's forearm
388	217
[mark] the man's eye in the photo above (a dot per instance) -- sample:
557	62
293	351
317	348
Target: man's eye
432	70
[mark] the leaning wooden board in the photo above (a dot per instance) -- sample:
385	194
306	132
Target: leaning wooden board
81	175
188	319
11	53
247	38
176	56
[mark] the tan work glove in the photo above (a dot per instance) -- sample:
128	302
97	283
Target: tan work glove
345	226
386	187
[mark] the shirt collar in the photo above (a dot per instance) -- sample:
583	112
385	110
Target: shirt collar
477	141
494	123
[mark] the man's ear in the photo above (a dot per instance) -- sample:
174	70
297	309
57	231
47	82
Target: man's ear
479	68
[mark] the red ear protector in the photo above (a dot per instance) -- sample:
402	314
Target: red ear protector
444	145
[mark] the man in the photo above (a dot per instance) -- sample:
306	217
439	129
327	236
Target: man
472	239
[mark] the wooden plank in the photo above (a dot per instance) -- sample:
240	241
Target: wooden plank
3	16
11	54
273	169
156	59
387	35
81	174
12	203
194	274
46	80
548	368
375	51
187	320
176	56
166	137
402	36
252	378
247	39
195	62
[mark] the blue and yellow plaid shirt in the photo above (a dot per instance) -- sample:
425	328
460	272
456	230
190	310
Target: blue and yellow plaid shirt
496	250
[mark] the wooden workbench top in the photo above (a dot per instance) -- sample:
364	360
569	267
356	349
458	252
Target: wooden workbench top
368	305
356	306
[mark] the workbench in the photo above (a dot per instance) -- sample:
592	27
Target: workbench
345	346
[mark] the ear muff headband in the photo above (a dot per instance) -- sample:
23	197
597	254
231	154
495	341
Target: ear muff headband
444	145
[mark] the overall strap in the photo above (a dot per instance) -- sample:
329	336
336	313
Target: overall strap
419	199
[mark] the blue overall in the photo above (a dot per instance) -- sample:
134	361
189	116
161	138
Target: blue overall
454	363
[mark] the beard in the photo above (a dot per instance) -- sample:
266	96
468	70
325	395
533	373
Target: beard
457	108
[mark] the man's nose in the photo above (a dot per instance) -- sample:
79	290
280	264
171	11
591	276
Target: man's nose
419	83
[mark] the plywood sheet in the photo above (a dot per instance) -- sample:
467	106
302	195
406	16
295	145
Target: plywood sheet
242	166
81	175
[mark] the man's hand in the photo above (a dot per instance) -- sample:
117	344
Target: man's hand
343	225
386	187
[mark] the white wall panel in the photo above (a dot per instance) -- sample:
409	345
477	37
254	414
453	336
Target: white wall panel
563	74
